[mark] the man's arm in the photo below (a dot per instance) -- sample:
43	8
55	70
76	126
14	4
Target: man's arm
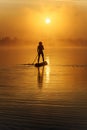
37	49
43	47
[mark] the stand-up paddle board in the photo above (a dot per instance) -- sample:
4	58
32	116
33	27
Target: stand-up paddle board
41	64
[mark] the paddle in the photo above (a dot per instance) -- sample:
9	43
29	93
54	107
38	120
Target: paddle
34	60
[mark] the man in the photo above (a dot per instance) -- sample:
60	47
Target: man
40	49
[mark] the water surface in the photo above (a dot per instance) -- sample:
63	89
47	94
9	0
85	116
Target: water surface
50	97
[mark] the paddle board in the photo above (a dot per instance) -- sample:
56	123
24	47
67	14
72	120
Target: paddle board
41	64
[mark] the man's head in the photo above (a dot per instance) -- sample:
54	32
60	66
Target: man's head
40	43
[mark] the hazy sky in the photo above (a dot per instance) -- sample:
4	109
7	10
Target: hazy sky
25	19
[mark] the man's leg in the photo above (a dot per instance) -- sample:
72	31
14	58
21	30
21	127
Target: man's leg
43	57
38	57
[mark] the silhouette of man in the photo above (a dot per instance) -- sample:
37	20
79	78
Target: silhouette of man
40	49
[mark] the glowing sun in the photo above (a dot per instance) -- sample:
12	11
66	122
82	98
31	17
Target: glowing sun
47	20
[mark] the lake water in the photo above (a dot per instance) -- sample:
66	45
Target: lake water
50	97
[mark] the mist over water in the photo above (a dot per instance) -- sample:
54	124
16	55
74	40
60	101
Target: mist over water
50	97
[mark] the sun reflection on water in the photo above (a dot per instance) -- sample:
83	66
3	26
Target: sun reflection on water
47	71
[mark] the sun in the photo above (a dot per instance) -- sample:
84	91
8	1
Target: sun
47	20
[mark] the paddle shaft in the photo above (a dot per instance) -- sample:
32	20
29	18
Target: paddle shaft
35	59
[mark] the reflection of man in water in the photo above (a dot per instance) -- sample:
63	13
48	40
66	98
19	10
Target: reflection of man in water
40	49
40	77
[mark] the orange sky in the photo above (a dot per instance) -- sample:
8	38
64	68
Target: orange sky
25	19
